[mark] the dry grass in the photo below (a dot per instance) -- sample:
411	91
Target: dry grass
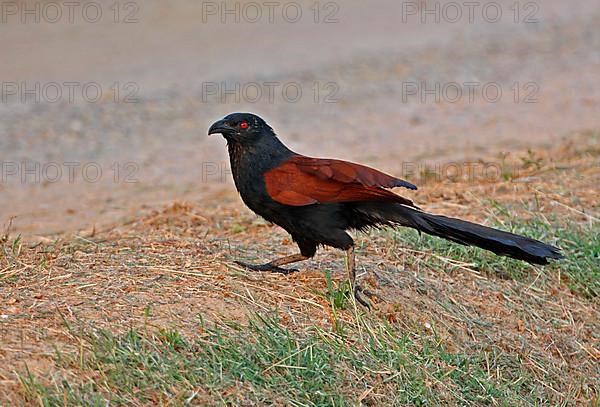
173	270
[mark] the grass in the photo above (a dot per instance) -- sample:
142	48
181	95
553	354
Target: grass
264	362
338	295
364	360
155	312
580	244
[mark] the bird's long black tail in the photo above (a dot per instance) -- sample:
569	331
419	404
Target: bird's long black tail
463	232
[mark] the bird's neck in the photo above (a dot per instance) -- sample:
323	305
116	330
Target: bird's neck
264	154
254	159
249	162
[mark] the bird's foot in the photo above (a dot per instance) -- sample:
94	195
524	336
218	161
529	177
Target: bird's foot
266	267
360	293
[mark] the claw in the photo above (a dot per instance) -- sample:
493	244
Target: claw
358	296
266	267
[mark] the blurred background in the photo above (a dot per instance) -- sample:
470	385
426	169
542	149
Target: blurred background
105	105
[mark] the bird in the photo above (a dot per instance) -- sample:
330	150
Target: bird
319	200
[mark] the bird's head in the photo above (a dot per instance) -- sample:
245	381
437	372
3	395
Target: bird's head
241	127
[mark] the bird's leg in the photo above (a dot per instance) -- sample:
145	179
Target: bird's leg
274	266
351	269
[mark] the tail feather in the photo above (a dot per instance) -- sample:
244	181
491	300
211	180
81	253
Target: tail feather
497	241
466	233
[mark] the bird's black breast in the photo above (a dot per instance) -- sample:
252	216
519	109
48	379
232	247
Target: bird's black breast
319	223
248	166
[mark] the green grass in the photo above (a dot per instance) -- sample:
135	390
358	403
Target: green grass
580	244
264	363
338	295
362	359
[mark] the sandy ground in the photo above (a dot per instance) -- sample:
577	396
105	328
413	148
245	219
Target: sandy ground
369	56
178	263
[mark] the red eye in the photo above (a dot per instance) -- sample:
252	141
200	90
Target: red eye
244	125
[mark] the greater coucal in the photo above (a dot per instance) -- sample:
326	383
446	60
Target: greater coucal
317	200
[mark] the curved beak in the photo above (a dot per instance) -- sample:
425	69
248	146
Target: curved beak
220	127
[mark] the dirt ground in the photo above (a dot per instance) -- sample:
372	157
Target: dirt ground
369	55
99	253
178	261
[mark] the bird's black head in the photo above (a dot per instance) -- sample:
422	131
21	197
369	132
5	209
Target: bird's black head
242	127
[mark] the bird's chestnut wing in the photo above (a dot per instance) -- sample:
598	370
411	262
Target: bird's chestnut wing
303	181
348	172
